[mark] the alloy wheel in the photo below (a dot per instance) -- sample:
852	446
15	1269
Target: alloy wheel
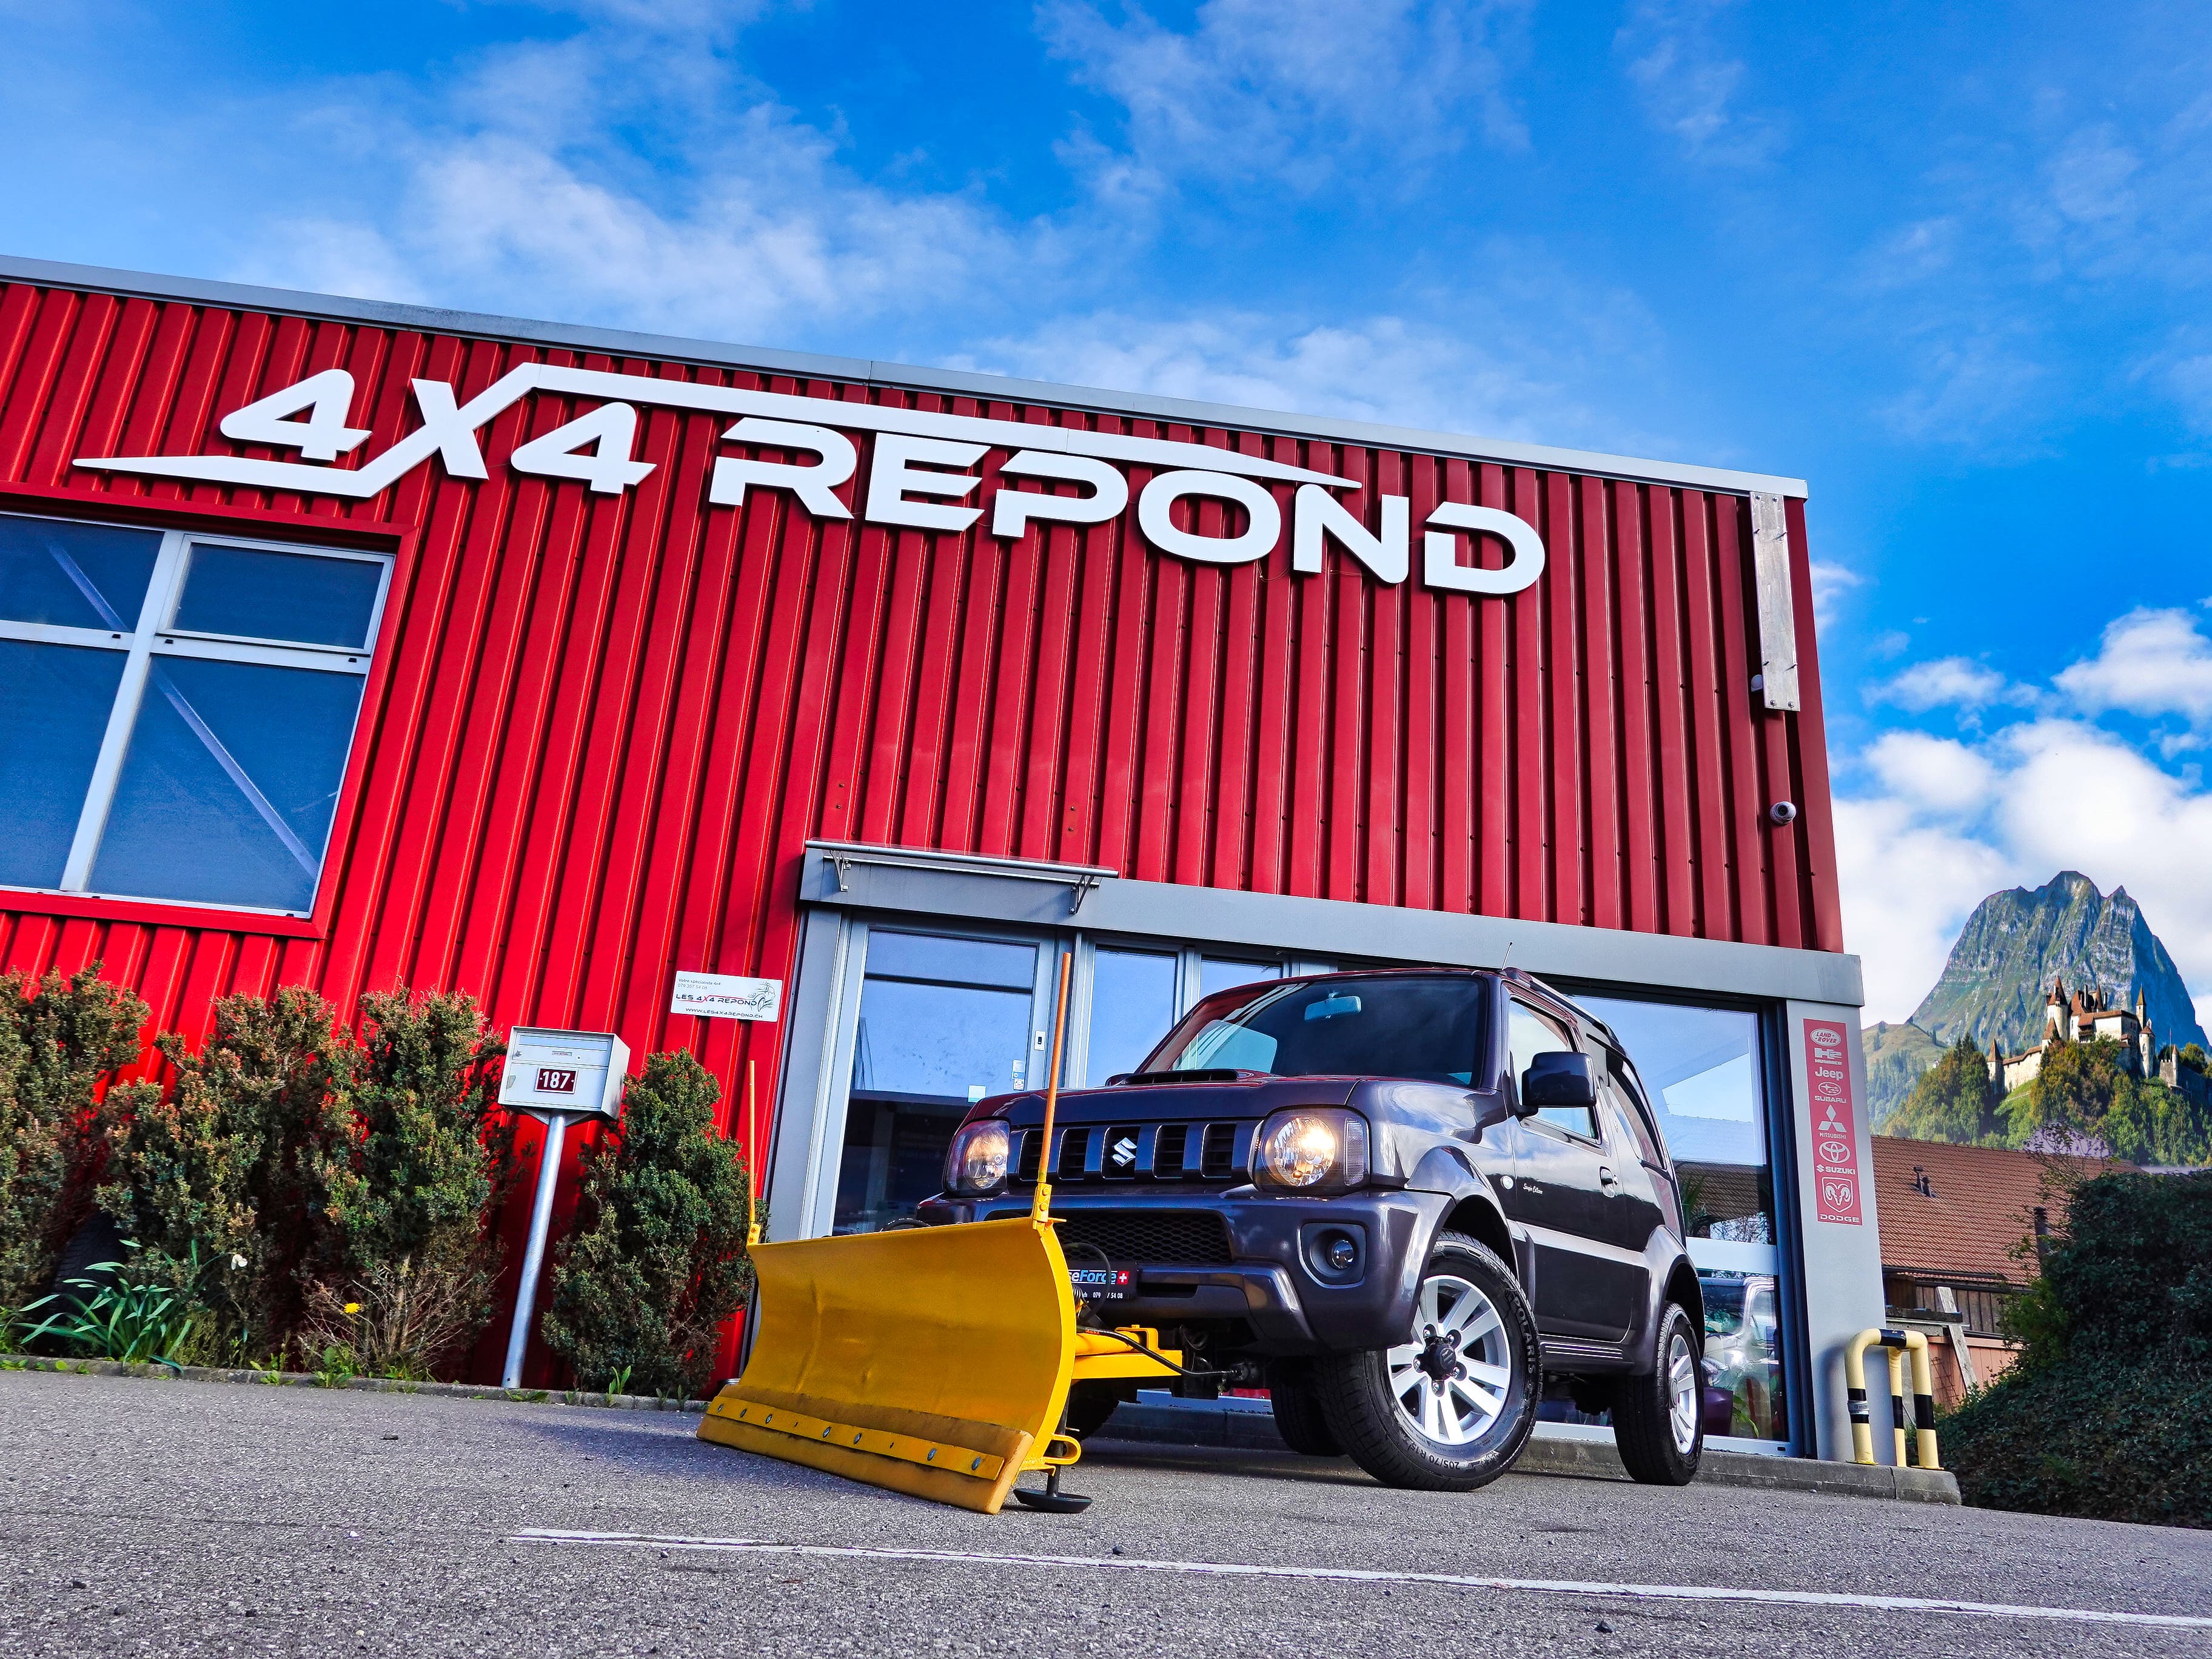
1682	1393
1452	1380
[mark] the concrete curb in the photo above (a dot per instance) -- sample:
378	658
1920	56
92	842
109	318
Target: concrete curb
621	1402
1250	1425
1231	1423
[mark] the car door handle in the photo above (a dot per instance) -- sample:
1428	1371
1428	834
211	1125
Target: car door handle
1606	1179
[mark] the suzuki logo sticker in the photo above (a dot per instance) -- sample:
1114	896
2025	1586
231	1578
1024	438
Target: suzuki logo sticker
919	475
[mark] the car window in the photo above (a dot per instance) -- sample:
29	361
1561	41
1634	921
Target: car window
1427	1026
1528	1034
1633	1128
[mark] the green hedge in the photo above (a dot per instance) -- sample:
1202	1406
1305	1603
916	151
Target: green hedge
2108	1413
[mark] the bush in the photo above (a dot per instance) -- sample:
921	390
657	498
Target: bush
429	1153
60	1037
655	1264
221	1178
2108	1413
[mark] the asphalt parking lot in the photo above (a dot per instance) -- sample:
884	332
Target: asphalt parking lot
180	1518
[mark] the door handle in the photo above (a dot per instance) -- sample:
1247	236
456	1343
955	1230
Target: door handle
1606	1179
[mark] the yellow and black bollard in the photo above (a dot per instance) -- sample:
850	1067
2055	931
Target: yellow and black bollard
1897	1345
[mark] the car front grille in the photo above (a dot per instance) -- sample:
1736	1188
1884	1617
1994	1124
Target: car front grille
1209	1154
1193	1238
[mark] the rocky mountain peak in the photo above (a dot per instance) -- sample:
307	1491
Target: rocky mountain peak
2018	943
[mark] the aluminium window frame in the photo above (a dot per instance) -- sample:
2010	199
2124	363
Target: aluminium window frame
153	636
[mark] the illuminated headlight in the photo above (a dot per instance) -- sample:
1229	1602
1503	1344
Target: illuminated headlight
1312	1150
977	1162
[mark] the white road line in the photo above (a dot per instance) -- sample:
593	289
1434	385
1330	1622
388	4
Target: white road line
1353	1575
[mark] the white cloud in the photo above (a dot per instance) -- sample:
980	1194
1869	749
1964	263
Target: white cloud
1939	774
1949	823
1908	886
1948	682
1688	82
2150	662
1259	88
1830	583
1506	363
633	174
2090	177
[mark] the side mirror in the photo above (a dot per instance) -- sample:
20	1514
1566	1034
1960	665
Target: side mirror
1557	1079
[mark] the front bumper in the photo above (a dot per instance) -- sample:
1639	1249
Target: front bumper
1280	1280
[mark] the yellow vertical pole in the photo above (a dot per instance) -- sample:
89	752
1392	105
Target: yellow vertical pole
1855	1396
1924	1399
1896	1357
752	1154
1041	1206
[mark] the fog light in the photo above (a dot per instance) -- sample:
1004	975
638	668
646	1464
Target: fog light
1342	1254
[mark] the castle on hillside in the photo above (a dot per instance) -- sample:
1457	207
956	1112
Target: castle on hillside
2083	1016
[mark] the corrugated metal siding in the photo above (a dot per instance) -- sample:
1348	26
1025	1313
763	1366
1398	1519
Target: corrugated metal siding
600	728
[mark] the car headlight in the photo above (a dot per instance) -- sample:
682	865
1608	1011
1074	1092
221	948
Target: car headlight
977	1161
1311	1148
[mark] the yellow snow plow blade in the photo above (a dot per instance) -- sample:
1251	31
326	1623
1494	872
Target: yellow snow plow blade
934	1361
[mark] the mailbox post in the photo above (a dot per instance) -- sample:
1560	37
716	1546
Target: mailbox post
557	1078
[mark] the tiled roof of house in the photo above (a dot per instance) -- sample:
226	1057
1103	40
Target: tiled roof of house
1980	1202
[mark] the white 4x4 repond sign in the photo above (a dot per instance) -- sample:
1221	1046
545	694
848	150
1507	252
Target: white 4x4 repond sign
918	475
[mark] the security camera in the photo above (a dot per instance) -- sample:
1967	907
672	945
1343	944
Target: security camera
1783	811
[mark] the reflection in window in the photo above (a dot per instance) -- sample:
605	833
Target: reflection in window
256	593
1700	1071
1227	973
57	699
943	1023
1132	1004
148	765
229	785
1699	1068
75	575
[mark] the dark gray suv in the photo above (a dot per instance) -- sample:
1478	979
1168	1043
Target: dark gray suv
1398	1200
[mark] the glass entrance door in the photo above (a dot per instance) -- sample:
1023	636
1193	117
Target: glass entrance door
943	1021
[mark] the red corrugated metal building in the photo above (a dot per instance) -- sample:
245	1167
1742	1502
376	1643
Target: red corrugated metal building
622	696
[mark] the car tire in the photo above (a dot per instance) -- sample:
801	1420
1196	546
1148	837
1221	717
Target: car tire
1089	1405
1658	1420
1299	1416
1449	1409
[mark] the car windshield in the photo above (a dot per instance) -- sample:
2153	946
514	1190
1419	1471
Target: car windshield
1428	1026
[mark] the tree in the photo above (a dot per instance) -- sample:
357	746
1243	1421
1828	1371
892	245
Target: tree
429	1155
656	1263
223	1179
1954	1100
60	1037
2108	1413
2086	1099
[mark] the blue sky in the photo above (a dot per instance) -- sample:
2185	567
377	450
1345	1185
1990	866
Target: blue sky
1950	265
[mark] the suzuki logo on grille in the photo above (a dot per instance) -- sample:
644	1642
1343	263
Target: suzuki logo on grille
1125	1152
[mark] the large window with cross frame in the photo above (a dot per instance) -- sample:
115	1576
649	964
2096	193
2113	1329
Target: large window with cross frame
180	706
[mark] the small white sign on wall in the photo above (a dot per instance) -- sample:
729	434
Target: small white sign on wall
726	996
572	1073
